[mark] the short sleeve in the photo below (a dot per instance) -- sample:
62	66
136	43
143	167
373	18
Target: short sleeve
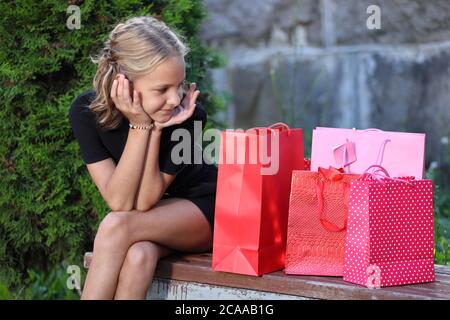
172	141
84	129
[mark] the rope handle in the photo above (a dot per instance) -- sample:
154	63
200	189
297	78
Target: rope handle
331	174
276	126
280	124
328	225
379	169
381	175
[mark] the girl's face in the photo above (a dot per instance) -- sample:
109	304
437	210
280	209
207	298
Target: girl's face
162	89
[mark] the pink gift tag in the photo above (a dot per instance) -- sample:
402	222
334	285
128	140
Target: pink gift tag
345	154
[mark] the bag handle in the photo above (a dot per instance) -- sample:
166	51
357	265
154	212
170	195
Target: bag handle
381	175
371	129
381	150
331	174
382	147
275	126
280	124
379	169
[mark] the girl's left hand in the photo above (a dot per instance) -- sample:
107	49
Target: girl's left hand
184	111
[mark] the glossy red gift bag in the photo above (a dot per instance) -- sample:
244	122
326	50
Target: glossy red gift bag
252	199
317	222
390	238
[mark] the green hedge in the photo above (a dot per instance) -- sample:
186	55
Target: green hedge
50	209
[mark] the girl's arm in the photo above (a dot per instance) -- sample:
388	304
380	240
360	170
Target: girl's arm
154	182
119	184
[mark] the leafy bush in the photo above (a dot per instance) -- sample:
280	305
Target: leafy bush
49	285
50	208
441	211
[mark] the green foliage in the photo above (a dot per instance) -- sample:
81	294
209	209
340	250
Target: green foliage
441	214
51	285
50	208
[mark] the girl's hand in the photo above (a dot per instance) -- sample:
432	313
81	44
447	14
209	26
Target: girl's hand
182	112
130	107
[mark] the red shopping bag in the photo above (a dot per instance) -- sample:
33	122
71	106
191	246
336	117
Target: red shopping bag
252	203
318	211
390	238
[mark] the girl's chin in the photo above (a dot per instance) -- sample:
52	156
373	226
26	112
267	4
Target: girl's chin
163	117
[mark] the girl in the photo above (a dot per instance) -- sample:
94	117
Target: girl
124	128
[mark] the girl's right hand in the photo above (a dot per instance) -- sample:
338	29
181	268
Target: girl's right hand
129	107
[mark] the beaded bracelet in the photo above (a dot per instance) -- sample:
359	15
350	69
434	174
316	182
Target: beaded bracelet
142	127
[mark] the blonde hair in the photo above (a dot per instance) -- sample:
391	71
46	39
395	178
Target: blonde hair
133	48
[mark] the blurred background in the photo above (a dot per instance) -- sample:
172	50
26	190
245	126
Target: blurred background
315	63
308	63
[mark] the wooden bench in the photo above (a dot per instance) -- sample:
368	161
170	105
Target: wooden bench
191	277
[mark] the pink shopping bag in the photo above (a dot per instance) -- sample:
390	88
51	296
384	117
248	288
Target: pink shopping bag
390	234
400	153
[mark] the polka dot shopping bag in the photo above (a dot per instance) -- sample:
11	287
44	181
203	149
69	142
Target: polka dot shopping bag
390	234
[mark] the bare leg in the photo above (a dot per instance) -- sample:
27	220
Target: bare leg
110	249
137	270
174	223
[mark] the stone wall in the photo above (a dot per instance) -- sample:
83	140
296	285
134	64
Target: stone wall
315	63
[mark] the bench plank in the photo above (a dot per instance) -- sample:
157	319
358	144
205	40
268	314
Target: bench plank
196	268
165	289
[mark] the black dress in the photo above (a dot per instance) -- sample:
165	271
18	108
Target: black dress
195	182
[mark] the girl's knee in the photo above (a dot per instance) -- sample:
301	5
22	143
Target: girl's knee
143	255
113	230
